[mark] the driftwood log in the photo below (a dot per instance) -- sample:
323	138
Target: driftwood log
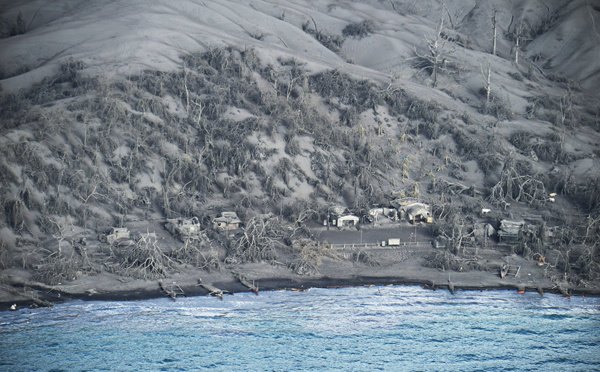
171	290
212	290
246	283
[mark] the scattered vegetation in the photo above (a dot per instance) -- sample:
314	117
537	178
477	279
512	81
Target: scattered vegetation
446	261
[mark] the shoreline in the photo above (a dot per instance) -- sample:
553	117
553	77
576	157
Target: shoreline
153	290
405	266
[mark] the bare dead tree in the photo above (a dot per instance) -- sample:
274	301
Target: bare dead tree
495	32
303	216
14	214
456	231
90	189
21	24
519	36
487	82
516	186
436	57
61	230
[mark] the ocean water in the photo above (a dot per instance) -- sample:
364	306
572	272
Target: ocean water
400	328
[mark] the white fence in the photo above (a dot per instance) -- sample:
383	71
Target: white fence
375	245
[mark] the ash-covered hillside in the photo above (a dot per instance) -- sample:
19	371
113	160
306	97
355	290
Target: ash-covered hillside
119	114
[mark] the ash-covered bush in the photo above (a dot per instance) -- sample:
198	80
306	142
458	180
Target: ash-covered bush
144	259
57	269
498	109
362	94
425	110
258	241
331	42
521	139
359	29
488	163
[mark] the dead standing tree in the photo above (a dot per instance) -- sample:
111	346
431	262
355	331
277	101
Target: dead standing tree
514	186
487	76
15	214
519	36
456	230
435	59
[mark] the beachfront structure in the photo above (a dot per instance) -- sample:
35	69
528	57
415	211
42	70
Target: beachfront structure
416	212
347	220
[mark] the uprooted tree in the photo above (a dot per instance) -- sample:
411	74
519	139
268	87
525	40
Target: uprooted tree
258	240
143	260
310	254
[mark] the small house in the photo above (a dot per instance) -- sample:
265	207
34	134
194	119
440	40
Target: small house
343	220
417	212
510	231
347	220
413	210
184	227
227	221
117	233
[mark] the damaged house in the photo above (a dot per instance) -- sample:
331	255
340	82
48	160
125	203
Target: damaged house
116	234
185	228
375	214
412	210
510	231
227	221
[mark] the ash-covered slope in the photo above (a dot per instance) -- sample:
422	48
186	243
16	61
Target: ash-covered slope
128	113
125	38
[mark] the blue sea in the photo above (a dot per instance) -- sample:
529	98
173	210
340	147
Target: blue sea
399	328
